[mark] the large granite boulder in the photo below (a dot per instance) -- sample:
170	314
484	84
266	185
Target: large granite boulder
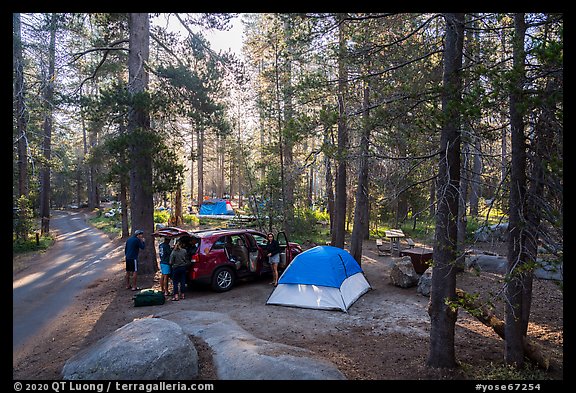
144	349
238	355
425	283
403	273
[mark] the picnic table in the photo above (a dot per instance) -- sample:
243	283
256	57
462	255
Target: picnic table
420	257
394	235
382	250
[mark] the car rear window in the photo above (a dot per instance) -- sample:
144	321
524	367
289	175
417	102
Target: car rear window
190	242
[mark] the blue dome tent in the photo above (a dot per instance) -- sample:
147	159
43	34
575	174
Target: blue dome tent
216	207
323	277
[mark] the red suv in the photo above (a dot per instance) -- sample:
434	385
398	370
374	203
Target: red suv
221	256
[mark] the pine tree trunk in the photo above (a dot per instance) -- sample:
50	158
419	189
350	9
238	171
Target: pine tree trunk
514	349
47	128
192	159
476	185
124	207
432	207
361	212
178	206
442	316
21	114
288	139
221	166
543	133
462	207
339	229
200	150
329	185
141	201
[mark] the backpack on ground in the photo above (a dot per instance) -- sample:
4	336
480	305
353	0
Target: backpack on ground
149	297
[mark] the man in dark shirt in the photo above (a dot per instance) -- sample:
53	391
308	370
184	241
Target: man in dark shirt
133	246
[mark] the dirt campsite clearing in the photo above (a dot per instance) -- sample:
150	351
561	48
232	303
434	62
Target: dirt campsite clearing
384	335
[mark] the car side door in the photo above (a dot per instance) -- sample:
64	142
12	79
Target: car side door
285	256
259	242
250	251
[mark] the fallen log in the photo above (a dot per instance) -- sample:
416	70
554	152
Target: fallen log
533	351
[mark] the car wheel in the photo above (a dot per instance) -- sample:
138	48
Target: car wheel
223	279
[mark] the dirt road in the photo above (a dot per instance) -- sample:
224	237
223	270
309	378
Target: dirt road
49	285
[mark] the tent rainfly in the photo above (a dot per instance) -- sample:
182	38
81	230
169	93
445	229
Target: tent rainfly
323	277
216	207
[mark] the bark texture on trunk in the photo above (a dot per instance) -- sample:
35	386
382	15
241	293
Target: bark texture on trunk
517	277
442	315
141	201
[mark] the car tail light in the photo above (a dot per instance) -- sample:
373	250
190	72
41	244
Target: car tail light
195	258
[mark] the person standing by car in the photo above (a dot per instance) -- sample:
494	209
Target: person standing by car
190	244
164	250
273	249
134	244
179	262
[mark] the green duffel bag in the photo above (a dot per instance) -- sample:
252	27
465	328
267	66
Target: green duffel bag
149	297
